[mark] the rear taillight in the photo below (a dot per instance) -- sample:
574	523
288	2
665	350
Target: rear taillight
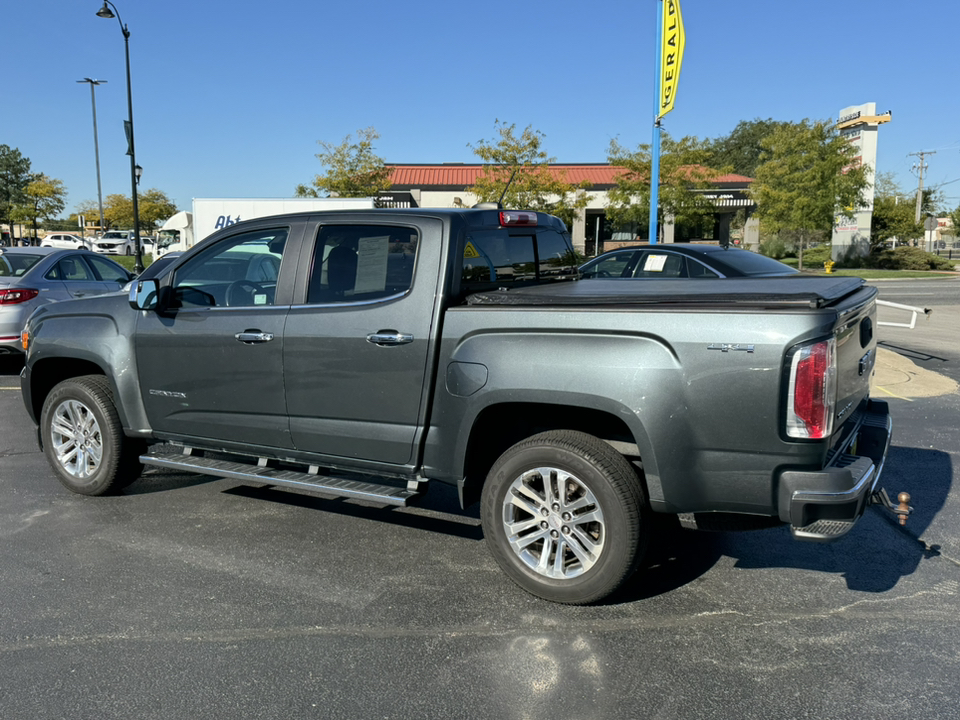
12	296
813	391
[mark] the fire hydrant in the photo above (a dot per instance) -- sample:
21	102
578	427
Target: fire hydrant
828	266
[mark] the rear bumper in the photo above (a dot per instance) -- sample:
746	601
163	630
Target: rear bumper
824	505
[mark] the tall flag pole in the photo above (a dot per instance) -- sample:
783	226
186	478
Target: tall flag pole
669	47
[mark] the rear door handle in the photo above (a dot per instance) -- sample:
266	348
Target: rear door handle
389	337
253	337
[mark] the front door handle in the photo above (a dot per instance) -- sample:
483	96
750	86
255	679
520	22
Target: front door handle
253	337
389	337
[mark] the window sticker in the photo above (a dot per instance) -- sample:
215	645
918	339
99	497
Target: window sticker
654	263
372	264
470	252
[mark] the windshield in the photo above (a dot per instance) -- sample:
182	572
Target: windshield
17	265
114	235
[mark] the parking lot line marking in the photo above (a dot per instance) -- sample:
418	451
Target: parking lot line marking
892	394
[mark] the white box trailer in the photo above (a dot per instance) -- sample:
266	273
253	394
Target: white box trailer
185	229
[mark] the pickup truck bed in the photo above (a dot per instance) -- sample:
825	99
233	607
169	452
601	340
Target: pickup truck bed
806	291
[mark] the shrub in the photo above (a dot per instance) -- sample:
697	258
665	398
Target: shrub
908	258
773	247
816	256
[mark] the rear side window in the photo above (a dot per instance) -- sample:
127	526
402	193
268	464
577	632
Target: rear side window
655	264
71	269
362	263
498	258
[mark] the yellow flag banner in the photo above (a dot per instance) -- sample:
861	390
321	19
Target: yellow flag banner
671	54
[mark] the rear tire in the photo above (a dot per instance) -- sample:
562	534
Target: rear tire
83	439
565	516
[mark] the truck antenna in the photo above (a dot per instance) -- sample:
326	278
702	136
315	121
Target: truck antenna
507	187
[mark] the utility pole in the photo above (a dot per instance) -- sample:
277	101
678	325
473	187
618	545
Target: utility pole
919	167
96	142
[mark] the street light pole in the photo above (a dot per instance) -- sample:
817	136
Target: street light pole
105	12
96	142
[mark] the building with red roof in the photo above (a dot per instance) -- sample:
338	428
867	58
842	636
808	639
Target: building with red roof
446	185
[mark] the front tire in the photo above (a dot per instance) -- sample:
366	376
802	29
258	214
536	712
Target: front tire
565	516
83	439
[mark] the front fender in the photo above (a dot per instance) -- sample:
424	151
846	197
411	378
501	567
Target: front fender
82	337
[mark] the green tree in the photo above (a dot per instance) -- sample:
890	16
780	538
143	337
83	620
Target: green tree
518	171
808	176
685	172
353	169
43	198
14	178
954	216
742	149
90	210
893	214
117	212
153	204
155	208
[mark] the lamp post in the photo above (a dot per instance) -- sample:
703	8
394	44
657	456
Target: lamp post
96	142
105	12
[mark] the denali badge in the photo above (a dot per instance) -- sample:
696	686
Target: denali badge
727	347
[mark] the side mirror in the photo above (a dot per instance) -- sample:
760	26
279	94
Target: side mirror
144	294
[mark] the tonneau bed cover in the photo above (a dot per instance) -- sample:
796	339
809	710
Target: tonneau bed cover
799	290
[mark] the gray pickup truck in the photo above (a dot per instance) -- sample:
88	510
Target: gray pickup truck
367	354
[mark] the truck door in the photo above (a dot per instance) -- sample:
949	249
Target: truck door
211	363
357	346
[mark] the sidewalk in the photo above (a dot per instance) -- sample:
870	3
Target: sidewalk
897	376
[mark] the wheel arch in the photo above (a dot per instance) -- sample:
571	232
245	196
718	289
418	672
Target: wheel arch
498	427
48	373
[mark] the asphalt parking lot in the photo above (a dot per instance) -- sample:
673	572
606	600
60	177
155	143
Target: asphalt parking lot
196	597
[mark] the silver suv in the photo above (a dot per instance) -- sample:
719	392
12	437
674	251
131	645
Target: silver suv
116	242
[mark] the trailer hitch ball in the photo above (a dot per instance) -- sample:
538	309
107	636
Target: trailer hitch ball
903	510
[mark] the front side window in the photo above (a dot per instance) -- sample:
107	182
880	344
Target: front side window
240	271
108	271
360	263
612	266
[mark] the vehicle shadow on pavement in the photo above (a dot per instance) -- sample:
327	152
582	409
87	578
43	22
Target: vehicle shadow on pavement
154	480
433	513
878	552
915	355
675	557
873	558
10	366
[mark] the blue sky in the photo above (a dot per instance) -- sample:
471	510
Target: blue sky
230	98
